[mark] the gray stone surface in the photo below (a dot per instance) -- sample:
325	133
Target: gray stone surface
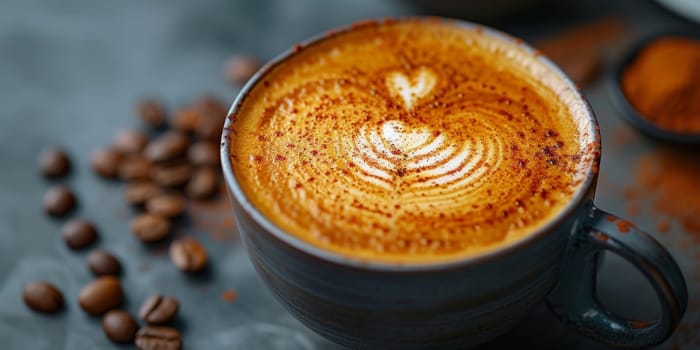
70	72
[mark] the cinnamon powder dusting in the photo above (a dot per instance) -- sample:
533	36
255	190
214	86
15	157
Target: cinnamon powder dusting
633	209
600	236
229	295
639	324
670	179
623	226
214	217
663	226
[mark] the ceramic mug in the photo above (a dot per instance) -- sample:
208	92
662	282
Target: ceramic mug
467	302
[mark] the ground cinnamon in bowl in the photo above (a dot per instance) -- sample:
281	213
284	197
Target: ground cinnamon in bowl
662	83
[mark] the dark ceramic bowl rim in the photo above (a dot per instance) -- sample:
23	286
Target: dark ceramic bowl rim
630	114
457	263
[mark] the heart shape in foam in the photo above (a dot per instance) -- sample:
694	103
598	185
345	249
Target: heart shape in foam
413	89
398	148
404	138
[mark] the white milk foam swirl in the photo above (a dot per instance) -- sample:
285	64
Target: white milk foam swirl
392	148
395	148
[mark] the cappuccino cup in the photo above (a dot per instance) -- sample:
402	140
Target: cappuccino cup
424	183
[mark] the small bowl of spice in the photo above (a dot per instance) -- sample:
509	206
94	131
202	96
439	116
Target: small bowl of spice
656	87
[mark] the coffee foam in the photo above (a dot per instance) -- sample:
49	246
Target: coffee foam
411	141
411	90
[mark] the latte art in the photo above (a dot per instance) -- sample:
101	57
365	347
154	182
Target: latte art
409	142
421	159
411	90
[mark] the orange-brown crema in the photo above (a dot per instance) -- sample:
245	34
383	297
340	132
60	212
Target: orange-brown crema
410	141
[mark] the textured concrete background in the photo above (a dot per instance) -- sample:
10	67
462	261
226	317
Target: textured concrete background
70	72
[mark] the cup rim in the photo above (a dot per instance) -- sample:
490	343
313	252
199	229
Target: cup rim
328	256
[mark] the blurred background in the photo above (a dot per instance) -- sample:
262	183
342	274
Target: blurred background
71	73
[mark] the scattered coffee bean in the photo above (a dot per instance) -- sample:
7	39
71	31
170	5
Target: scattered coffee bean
150	227
79	233
188	254
204	153
152	113
211	122
102	263
210	128
159	309
211	107
134	167
59	200
124	160
130	141
119	326
158	338
169	146
204	183
42	296
101	295
54	162
168	205
105	162
240	68
138	193
174	174
186	119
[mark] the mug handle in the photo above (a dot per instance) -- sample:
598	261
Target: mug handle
574	298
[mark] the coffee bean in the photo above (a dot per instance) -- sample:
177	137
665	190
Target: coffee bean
186	119
188	254
59	200
152	113
159	309
119	326
204	183
150	227
138	193
211	107
240	68
169	205
158	338
102	263
169	146
79	233
42	296
134	167
130	141
204	153
54	162
211	122
105	162
103	294
172	174
210	128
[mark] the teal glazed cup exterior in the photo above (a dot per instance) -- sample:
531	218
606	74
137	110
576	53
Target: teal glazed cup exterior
463	303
